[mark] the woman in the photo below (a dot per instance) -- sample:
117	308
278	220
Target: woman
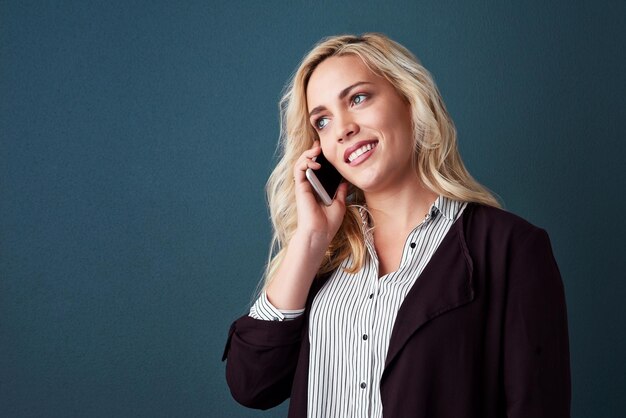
413	294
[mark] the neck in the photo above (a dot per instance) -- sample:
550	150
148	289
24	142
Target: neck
400	208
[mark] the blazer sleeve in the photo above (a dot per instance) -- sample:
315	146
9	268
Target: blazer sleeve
536	345
262	357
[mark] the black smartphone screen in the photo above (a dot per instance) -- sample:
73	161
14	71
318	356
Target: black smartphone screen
328	175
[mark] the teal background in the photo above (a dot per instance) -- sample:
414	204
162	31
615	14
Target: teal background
136	139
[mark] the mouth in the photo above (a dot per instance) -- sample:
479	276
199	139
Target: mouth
359	152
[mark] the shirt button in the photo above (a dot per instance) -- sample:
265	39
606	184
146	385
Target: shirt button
371	295
412	245
363	385
364	336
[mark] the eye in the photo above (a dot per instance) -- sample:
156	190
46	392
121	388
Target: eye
318	123
359	98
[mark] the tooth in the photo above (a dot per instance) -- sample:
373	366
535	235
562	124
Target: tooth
361	151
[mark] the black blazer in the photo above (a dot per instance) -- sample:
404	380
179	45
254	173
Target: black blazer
482	333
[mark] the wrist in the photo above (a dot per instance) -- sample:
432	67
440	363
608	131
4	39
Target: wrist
316	242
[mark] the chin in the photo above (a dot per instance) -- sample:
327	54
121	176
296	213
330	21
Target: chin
366	185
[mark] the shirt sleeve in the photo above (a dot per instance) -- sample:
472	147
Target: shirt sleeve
265	311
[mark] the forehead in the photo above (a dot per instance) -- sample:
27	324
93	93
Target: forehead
333	75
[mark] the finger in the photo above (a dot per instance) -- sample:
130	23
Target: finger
313	152
303	163
342	192
299	174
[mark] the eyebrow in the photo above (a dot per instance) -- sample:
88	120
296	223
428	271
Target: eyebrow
342	94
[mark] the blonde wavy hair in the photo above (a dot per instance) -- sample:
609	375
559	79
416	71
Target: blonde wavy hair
436	157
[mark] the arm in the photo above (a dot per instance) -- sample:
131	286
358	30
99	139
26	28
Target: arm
536	347
316	226
262	355
262	349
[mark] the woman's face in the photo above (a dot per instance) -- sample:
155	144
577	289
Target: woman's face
364	125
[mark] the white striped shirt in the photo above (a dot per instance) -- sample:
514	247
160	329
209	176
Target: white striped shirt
353	315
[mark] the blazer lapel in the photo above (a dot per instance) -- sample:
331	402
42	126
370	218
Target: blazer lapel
444	284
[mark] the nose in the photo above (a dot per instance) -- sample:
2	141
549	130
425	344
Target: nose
346	128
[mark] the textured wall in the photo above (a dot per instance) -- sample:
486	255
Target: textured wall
136	140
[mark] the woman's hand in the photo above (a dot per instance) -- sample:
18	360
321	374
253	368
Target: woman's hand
317	225
316	220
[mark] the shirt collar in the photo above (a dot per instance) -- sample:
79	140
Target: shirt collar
449	208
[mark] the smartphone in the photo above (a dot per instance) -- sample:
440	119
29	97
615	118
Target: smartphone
325	180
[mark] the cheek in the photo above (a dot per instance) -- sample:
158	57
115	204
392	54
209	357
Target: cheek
399	122
394	118
386	120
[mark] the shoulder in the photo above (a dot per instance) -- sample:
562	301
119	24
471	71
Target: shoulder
508	243
489	223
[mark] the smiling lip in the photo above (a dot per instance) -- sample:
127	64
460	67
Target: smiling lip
355	147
